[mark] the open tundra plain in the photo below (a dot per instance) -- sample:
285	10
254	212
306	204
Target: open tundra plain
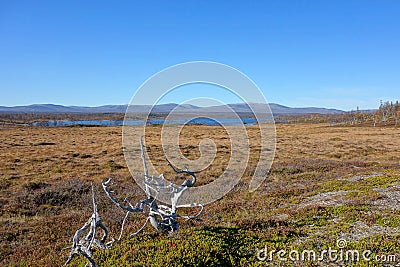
326	183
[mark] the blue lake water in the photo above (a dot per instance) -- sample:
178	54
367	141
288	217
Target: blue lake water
190	121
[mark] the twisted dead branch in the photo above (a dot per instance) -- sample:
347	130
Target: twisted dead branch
162	217
84	246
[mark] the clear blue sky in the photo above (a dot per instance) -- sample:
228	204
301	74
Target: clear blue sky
338	54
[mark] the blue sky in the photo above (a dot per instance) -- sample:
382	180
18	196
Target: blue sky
337	54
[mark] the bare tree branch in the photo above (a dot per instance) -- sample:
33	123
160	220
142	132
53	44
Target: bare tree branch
187	183
162	217
84	246
129	208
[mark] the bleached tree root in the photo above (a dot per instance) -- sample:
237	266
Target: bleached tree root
84	245
162	217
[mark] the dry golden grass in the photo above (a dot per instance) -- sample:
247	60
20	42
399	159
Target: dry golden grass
46	173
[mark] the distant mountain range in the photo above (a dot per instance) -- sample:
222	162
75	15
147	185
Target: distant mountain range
166	108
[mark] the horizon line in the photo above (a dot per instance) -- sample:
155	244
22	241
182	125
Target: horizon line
200	106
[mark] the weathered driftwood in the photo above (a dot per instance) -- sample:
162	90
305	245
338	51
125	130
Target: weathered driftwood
84	245
161	217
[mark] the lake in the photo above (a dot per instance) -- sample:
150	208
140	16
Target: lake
189	121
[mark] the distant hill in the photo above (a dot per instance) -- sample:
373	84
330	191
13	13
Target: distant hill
166	108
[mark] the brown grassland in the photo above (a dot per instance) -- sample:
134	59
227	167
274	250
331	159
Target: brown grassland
326	182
